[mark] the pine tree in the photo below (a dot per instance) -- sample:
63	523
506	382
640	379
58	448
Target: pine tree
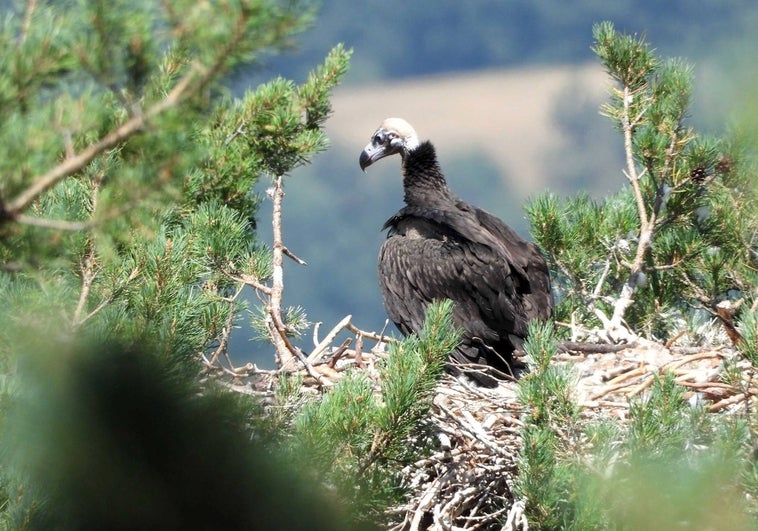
679	242
127	229
127	234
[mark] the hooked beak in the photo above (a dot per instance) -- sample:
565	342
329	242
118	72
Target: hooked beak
371	154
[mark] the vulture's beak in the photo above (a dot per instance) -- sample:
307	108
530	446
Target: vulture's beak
371	154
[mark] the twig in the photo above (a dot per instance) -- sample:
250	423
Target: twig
614	326
322	345
31	6
610	388
473	431
248	280
627	126
278	334
647	382
337	354
226	331
426	500
88	266
516	517
239	372
593	348
601	280
88	271
682	380
358	351
381	338
689	359
726	402
673	340
290	254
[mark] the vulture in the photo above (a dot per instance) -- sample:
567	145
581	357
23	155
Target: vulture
440	247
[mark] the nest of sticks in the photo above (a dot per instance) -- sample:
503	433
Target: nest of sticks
467	482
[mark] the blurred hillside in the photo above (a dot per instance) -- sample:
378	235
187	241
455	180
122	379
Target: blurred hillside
508	92
408	39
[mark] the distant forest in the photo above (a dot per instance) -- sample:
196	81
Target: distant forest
402	39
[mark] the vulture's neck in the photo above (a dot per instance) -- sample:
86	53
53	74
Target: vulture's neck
423	180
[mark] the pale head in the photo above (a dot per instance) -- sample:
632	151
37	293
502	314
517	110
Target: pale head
394	136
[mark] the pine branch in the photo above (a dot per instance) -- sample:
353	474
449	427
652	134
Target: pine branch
31	7
88	266
55	224
193	82
614	326
627	125
285	353
321	346
182	90
88	270
226	332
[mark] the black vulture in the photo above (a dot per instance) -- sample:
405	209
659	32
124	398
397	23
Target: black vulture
440	247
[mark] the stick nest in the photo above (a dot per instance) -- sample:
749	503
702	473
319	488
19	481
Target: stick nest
467	483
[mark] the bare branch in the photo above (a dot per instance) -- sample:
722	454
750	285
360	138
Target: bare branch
290	254
381	338
278	334
286	358
89	266
88	269
627	126
57	224
248	280
226	331
322	345
31	7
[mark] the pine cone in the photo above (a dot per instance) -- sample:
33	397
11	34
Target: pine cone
698	175
724	165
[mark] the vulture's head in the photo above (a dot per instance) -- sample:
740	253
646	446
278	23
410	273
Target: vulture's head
395	135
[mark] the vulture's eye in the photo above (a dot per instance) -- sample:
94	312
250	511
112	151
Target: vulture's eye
379	138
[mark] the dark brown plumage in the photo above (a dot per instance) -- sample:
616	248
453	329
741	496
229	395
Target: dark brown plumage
440	247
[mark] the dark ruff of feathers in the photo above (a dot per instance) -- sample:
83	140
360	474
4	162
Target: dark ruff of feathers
440	247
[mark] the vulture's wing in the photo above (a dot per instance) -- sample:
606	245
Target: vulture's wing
526	257
436	254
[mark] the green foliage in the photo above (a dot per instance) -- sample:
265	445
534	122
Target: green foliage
127	224
107	436
681	236
682	455
127	229
680	239
546	480
541	480
357	439
659	470
145	236
547	389
628	60
748	327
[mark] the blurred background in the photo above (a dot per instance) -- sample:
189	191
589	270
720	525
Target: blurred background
509	93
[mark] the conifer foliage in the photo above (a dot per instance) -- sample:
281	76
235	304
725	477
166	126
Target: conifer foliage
679	241
127	169
127	230
127	235
677	244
